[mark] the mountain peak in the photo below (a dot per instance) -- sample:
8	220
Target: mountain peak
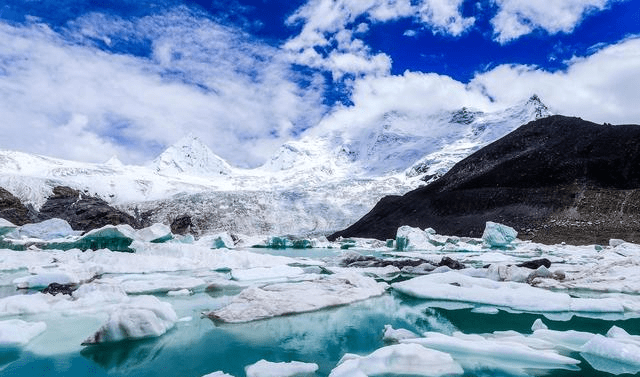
540	110
190	155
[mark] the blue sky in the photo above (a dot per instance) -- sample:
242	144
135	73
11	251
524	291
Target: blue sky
129	78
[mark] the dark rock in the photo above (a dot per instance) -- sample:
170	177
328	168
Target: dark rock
181	225
451	263
55	288
12	209
555	179
81	211
534	264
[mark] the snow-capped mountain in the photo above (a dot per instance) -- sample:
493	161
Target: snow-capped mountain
321	182
190	156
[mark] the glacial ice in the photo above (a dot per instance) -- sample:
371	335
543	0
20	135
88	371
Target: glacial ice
46	230
154	233
217	374
454	286
266	273
16	332
320	291
395	335
265	368
6	226
409	238
141	317
412	359
43	279
477	351
498	235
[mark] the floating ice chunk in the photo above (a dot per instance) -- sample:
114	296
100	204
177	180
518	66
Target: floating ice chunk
266	273
276	242
114	238
486	310
614	242
217	374
265	368
570	339
155	233
410	359
477	351
42	280
319	292
45	230
503	272
222	240
625	353
181	292
16	332
156	283
498	235
6	226
538	325
454	286
408	238
143	317
392	335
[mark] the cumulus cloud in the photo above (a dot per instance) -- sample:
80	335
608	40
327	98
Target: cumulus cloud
516	18
326	40
63	96
601	87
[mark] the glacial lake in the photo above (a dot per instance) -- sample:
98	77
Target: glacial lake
197	346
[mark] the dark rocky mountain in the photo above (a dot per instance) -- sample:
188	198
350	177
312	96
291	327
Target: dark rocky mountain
83	212
554	179
13	210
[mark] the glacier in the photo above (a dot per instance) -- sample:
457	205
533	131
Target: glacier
315	185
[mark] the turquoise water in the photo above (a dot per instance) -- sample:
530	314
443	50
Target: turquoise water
198	347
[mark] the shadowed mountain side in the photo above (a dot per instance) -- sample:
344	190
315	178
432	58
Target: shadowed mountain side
554	179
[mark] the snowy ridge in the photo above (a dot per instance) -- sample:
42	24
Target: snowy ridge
190	155
321	182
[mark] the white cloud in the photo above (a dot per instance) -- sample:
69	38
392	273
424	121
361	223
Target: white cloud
601	87
516	18
329	25
63	97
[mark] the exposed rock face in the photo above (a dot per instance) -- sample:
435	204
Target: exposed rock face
13	210
555	179
81	211
181	225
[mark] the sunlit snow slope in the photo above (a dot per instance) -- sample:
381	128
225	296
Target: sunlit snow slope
321	182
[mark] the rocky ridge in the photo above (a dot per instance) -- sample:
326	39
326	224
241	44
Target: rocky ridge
555	179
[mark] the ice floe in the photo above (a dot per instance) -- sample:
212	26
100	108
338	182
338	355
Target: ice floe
265	368
16	332
320	291
454	286
398	359
141	317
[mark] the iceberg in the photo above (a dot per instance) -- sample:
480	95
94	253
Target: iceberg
46	230
42	280
143	317
318	292
398	359
222	241
266	273
498	235
16	332
265	368
217	374
616	350
395	335
156	233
